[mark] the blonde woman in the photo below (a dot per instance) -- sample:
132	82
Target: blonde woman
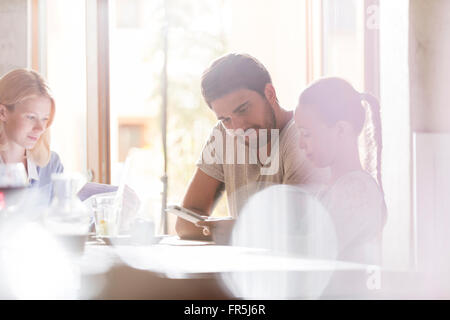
27	110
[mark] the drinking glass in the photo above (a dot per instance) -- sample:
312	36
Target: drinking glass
13	182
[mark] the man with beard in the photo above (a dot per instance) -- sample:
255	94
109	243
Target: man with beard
254	145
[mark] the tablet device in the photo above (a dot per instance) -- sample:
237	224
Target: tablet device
185	213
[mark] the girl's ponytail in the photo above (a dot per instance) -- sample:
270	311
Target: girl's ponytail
373	136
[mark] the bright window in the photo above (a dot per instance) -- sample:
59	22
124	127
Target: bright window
198	32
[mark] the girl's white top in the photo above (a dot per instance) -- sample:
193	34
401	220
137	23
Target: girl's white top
356	205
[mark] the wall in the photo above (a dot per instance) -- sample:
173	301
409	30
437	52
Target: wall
14	35
64	66
279	43
430	65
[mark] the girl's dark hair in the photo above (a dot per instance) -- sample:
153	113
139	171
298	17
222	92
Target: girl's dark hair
232	72
335	99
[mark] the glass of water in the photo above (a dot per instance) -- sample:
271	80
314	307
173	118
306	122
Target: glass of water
13	182
106	214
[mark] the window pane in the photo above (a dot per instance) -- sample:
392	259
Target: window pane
137	56
198	32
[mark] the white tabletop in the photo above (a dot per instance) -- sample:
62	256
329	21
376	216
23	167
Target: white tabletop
186	259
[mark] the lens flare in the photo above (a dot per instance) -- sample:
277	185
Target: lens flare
35	266
293	228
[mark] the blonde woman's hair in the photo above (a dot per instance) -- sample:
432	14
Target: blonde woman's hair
17	86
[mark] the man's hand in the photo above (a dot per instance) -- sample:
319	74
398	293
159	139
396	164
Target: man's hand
200	197
219	229
188	231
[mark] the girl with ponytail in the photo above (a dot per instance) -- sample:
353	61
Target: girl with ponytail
332	119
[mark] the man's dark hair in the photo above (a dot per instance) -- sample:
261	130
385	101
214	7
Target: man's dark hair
232	72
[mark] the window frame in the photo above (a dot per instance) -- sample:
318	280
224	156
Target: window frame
98	90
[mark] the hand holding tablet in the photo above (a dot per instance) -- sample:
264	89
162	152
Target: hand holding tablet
186	214
215	225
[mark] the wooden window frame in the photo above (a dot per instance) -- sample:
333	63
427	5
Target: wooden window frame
98	90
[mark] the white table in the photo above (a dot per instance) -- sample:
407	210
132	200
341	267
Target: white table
176	268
